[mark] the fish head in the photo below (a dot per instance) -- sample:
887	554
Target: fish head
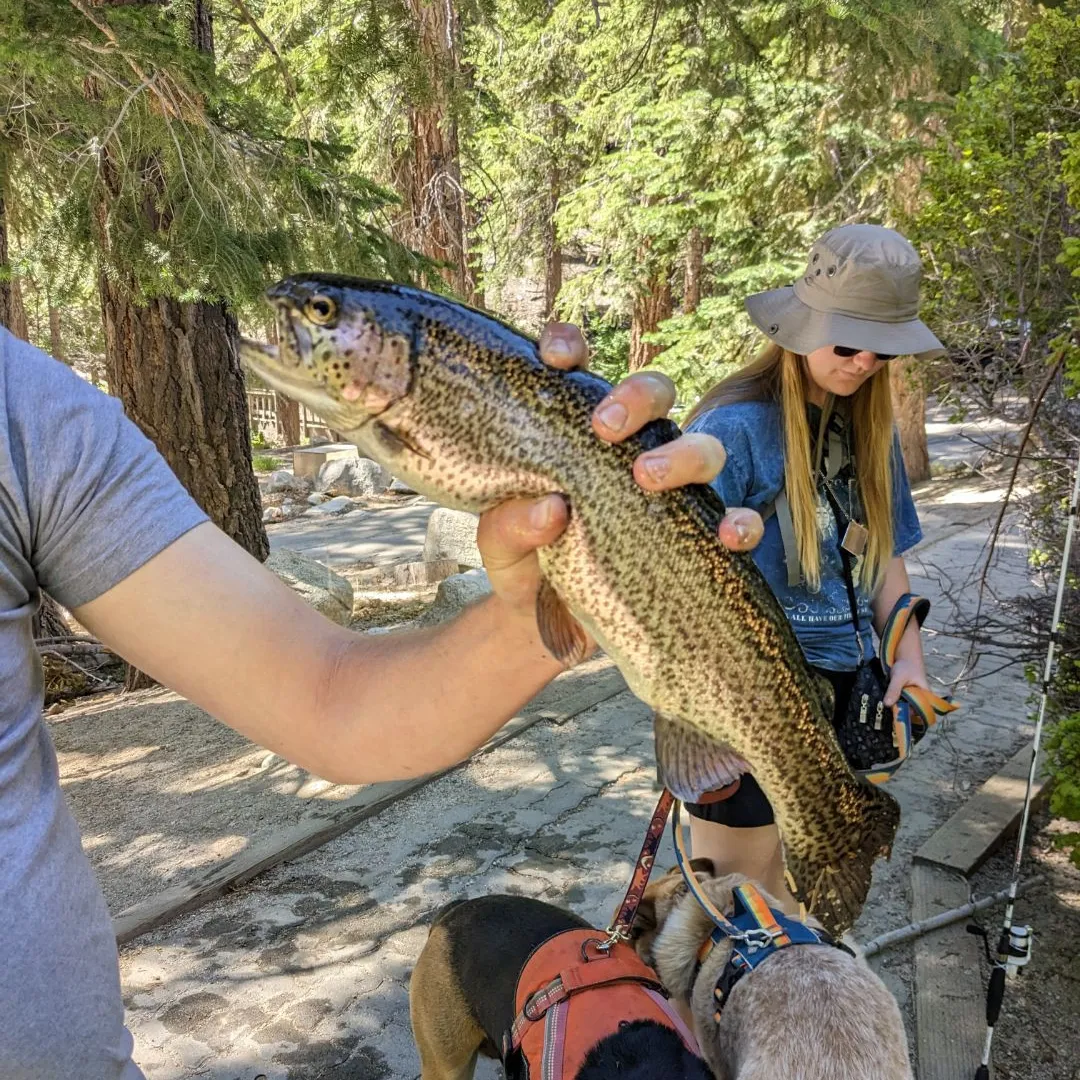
345	361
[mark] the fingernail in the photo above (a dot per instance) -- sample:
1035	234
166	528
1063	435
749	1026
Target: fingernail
742	530
540	514
657	467
612	416
559	347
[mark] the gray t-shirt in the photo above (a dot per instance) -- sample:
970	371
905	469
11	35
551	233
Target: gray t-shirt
85	499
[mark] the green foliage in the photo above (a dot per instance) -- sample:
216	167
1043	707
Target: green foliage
127	147
998	209
1063	764
263	463
759	126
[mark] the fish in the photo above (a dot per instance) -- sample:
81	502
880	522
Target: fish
457	403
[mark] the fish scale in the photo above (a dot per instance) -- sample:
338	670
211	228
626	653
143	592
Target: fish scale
459	405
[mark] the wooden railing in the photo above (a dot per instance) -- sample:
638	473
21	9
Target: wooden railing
262	415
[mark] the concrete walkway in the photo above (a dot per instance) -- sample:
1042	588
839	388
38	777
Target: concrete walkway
303	973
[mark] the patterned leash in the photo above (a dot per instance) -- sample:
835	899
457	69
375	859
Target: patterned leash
619	930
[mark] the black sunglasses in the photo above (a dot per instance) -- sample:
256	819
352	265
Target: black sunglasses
848	351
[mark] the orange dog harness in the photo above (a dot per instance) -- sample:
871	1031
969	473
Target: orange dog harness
555	1038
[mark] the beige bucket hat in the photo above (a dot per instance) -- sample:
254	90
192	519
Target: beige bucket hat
860	289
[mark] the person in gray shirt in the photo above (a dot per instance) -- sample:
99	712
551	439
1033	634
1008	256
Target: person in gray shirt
91	513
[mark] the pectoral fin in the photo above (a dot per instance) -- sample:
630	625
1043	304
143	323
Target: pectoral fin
560	632
688	763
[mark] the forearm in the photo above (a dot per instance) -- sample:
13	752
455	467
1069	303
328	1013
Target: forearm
406	704
206	619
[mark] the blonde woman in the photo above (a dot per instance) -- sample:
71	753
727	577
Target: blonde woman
812	447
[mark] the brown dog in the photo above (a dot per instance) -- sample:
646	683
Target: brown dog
810	1011
462	998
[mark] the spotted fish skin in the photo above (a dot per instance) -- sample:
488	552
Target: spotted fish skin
460	406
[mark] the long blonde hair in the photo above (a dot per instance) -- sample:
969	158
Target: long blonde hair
779	375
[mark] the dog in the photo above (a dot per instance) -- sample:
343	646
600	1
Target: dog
809	1011
464	995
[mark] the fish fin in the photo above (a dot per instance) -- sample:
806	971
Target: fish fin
560	632
395	442
689	763
833	880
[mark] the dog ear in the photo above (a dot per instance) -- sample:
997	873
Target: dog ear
703	866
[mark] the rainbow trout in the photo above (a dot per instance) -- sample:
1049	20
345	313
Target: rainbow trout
459	405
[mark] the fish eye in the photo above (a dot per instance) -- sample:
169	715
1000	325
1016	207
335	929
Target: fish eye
321	309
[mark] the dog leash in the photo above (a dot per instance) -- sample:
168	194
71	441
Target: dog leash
619	930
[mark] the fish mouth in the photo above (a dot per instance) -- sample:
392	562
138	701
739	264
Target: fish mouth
271	364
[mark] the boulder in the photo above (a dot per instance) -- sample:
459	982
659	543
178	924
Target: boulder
317	498
399	487
454	595
272	514
352	477
451	534
340	505
283	480
325	591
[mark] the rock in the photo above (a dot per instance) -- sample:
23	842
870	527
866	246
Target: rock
316	498
454	595
283	480
341	505
451	534
399	487
325	591
405	575
352	476
273	513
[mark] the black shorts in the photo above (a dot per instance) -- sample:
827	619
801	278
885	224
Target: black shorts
748	808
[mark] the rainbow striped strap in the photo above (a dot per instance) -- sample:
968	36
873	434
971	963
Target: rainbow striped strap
925	704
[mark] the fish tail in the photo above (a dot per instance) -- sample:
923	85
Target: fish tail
832	876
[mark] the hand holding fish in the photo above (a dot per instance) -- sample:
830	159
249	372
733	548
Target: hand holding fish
509	534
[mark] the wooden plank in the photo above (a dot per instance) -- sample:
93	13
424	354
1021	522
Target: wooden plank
986	820
950	1002
569	694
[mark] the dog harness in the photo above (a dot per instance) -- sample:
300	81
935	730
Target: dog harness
555	1037
755	930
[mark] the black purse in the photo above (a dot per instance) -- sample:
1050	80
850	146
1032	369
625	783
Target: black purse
865	732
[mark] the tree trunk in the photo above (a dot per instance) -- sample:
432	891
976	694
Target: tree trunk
651	307
695	257
56	341
436	211
288	419
909	404
12	313
553	267
175	367
552	260
49	620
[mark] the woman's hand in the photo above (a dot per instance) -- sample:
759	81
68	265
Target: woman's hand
509	534
905	672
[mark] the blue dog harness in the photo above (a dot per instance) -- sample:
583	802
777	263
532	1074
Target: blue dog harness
754	930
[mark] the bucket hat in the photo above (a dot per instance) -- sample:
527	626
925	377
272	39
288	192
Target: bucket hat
860	289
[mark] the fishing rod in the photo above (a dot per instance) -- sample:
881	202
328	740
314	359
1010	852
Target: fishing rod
1014	945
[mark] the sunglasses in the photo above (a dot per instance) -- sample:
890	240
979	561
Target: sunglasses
847	351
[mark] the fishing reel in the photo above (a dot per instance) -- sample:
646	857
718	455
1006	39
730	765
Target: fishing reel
1017	949
1014	947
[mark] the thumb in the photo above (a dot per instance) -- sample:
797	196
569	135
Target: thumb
896	686
512	530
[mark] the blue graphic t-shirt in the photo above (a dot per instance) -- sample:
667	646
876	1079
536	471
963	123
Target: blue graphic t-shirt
753	436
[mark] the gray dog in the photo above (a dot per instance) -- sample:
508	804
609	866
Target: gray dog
810	1012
